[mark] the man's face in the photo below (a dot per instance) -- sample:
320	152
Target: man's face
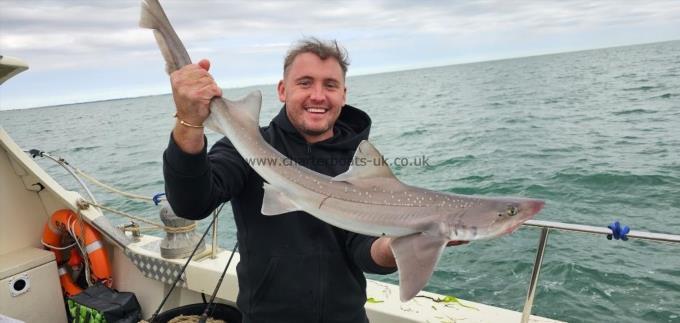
314	93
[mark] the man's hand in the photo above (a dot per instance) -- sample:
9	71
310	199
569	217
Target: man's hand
382	253
192	89
383	256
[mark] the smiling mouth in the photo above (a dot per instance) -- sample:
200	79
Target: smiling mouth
316	110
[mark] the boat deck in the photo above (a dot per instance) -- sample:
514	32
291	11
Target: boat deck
383	305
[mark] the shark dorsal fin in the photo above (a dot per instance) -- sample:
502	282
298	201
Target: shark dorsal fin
246	110
250	105
367	164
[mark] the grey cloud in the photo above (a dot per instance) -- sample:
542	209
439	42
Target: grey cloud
86	27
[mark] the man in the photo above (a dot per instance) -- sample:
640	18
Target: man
294	267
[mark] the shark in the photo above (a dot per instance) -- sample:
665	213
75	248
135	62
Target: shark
366	199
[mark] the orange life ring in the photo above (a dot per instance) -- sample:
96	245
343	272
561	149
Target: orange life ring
100	267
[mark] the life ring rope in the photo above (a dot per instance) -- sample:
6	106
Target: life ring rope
91	244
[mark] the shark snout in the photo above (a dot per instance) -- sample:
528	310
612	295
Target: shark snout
535	206
529	209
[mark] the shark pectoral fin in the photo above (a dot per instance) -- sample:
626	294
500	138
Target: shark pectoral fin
416	255
275	202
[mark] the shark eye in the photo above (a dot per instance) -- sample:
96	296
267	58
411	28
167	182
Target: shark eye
512	210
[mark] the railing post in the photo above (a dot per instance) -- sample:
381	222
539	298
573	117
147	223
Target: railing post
534	275
213	252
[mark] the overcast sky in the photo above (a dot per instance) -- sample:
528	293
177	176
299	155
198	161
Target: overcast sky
92	50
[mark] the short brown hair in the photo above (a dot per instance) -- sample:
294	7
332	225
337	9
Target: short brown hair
323	49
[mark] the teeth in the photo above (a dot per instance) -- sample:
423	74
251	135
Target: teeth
316	110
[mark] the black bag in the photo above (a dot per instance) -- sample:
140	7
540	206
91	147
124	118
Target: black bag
99	304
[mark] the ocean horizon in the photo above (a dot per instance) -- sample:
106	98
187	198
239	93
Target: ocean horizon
259	85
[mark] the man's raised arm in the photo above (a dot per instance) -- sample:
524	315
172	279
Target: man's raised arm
192	89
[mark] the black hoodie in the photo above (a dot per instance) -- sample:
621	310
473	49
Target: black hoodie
293	267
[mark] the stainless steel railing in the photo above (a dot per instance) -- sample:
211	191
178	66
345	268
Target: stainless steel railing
546	226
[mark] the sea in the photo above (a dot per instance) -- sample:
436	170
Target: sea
596	134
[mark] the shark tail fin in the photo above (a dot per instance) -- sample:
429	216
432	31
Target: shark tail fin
174	53
149	11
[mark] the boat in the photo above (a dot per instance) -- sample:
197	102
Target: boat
32	290
30	271
10	66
